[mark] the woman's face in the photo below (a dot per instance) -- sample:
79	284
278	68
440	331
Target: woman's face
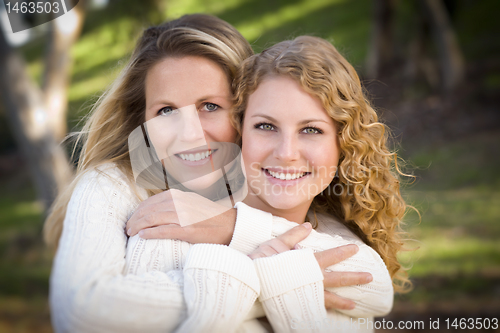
188	101
290	146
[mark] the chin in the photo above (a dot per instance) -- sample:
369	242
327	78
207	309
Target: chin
204	182
284	202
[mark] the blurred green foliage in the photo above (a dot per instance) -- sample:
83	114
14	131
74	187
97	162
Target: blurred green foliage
457	183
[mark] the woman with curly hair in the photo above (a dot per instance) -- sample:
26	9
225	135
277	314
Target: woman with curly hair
314	150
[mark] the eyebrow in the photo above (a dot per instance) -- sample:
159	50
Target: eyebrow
306	121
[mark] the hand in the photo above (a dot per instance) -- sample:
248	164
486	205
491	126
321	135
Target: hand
282	243
325	259
192	218
339	279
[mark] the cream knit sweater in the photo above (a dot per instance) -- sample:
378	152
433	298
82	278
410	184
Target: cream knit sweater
104	282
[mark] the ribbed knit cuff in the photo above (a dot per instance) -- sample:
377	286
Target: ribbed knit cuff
253	227
287	271
223	259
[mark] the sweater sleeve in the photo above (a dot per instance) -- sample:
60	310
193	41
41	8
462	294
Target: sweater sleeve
371	299
88	290
291	290
220	288
253	227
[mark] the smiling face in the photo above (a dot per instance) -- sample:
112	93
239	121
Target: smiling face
290	148
187	104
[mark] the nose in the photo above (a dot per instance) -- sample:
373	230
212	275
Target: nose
287	148
191	129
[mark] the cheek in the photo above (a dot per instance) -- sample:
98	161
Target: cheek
251	156
248	160
220	130
161	135
327	163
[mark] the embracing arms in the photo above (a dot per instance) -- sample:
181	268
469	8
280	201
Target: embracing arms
155	220
90	290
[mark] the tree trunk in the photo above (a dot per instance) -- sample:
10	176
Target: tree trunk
450	56
420	63
38	119
381	49
27	117
58	63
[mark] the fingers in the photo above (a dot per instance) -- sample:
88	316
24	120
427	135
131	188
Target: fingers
151	220
333	301
152	207
334	256
165	196
282	243
269	248
263	251
342	279
295	235
171	231
159	202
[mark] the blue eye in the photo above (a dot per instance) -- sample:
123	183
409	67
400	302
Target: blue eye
265	127
166	111
210	107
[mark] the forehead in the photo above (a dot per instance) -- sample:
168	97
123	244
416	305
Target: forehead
184	76
283	96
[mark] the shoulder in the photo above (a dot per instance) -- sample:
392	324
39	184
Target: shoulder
104	173
330	233
330	224
106	183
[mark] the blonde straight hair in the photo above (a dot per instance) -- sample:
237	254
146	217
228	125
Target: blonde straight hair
121	108
369	202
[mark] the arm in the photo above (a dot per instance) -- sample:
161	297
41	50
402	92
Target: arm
372	299
291	282
254	227
224	306
88	291
156	219
291	299
291	289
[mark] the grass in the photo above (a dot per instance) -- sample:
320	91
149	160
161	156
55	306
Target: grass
25	265
458	255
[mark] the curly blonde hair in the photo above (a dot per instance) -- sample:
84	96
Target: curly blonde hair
121	109
370	202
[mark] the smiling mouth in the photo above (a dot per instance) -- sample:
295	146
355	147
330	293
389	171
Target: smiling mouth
201	155
286	176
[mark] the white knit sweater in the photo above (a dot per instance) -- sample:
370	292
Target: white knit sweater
291	283
99	283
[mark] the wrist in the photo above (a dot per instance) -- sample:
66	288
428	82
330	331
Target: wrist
230	222
253	227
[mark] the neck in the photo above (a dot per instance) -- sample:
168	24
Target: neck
294	214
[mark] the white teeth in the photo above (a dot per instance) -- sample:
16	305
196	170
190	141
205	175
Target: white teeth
288	176
195	157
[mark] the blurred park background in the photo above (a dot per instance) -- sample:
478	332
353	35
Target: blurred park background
433	72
